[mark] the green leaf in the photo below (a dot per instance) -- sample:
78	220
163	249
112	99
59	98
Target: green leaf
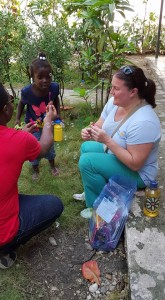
114	36
80	92
101	43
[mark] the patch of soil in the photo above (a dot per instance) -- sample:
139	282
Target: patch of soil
54	271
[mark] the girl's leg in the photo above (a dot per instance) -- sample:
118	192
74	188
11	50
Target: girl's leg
35	174
51	158
35	163
37	212
97	168
55	171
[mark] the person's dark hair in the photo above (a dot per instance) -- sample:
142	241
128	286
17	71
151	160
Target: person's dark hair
134	77
39	62
4	96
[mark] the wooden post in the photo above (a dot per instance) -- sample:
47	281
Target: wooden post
159	30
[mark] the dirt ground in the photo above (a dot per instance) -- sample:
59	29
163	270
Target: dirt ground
54	271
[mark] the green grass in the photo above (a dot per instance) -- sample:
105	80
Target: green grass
11	283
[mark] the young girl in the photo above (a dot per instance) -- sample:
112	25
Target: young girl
36	96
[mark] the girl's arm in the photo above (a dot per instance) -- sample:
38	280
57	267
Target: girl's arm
20	109
56	103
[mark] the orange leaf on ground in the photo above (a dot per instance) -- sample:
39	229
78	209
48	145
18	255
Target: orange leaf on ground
91	271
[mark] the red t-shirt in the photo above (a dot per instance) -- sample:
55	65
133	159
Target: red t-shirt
16	147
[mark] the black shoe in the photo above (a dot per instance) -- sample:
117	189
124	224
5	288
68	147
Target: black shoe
6	261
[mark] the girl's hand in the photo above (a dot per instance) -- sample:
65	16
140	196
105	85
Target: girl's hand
51	112
50	103
86	134
99	135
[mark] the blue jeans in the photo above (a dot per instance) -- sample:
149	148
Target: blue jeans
97	167
50	155
37	212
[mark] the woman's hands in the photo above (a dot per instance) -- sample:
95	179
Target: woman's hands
99	135
86	134
95	133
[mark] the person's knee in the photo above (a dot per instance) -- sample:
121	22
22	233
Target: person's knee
84	147
58	206
84	162
55	206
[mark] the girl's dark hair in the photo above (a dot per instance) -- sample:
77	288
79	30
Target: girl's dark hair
4	96
134	77
39	62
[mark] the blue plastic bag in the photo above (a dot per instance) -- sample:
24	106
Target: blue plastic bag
110	213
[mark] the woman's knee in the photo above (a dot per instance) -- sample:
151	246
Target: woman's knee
84	161
91	147
83	147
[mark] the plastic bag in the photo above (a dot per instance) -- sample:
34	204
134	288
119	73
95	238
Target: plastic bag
110	213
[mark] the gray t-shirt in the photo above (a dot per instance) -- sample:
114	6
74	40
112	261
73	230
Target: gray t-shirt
140	128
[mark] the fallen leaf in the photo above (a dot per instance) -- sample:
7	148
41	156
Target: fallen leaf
91	271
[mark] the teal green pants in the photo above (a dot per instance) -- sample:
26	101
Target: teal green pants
97	167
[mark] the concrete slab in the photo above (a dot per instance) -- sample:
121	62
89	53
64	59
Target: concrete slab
145	243
145	237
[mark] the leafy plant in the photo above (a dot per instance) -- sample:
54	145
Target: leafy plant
143	33
96	39
12	32
85	94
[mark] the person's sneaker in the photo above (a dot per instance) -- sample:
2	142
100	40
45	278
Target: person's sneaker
86	213
6	261
79	197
